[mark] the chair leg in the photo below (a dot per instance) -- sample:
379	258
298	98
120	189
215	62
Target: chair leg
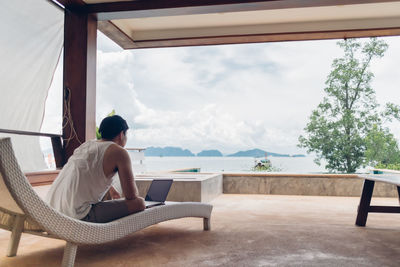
69	255
15	235
207	224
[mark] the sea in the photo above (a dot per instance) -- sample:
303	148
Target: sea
299	165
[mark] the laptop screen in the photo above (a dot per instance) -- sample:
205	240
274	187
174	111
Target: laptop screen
159	190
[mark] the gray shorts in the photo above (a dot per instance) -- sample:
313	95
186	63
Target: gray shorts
107	211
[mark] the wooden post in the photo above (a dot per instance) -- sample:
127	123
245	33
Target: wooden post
79	84
58	151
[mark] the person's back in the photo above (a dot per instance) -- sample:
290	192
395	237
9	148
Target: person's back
82	181
86	178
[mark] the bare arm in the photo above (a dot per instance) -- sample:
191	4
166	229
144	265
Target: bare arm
124	167
116	159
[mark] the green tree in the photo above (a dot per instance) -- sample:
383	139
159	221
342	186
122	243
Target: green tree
338	126
381	147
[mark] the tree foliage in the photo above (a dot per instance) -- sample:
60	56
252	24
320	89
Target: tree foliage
338	127
381	147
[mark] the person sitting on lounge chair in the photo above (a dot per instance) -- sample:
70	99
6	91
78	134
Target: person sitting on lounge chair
81	185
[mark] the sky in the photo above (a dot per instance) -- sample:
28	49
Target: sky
226	97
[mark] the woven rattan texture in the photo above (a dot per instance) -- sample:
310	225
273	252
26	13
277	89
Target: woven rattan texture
77	231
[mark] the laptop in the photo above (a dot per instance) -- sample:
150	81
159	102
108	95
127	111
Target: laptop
158	192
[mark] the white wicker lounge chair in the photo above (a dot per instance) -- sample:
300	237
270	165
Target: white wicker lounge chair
22	210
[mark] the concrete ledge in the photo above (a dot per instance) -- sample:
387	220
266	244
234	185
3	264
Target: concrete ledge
203	187
186	187
301	184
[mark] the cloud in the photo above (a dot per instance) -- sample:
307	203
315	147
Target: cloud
115	85
250	92
230	97
387	79
205	128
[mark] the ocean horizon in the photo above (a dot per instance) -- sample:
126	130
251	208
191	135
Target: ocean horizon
294	165
298	165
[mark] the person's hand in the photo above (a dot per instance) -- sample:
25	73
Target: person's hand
114	193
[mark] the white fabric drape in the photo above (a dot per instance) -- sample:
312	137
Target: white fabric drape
31	40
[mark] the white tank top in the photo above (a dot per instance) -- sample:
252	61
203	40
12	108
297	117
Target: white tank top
81	182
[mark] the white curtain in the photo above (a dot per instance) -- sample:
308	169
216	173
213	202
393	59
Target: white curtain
31	40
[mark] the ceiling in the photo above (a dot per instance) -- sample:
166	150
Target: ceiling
143	24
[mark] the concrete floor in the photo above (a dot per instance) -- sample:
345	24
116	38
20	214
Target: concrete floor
247	230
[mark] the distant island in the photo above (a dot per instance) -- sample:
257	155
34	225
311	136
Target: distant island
210	153
257	153
298	156
170	151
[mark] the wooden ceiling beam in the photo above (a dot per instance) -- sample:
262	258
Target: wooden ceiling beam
76	5
150	8
115	34
261	38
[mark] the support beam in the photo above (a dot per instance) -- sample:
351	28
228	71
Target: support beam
149	8
127	43
79	85
273	26
70	4
116	34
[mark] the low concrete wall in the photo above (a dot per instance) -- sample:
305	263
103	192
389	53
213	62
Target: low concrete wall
196	187
301	184
211	188
180	190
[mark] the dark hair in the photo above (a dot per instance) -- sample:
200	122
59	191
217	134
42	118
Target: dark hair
111	126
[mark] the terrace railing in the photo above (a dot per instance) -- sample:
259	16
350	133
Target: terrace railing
56	142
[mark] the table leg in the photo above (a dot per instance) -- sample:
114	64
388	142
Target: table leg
398	191
365	202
